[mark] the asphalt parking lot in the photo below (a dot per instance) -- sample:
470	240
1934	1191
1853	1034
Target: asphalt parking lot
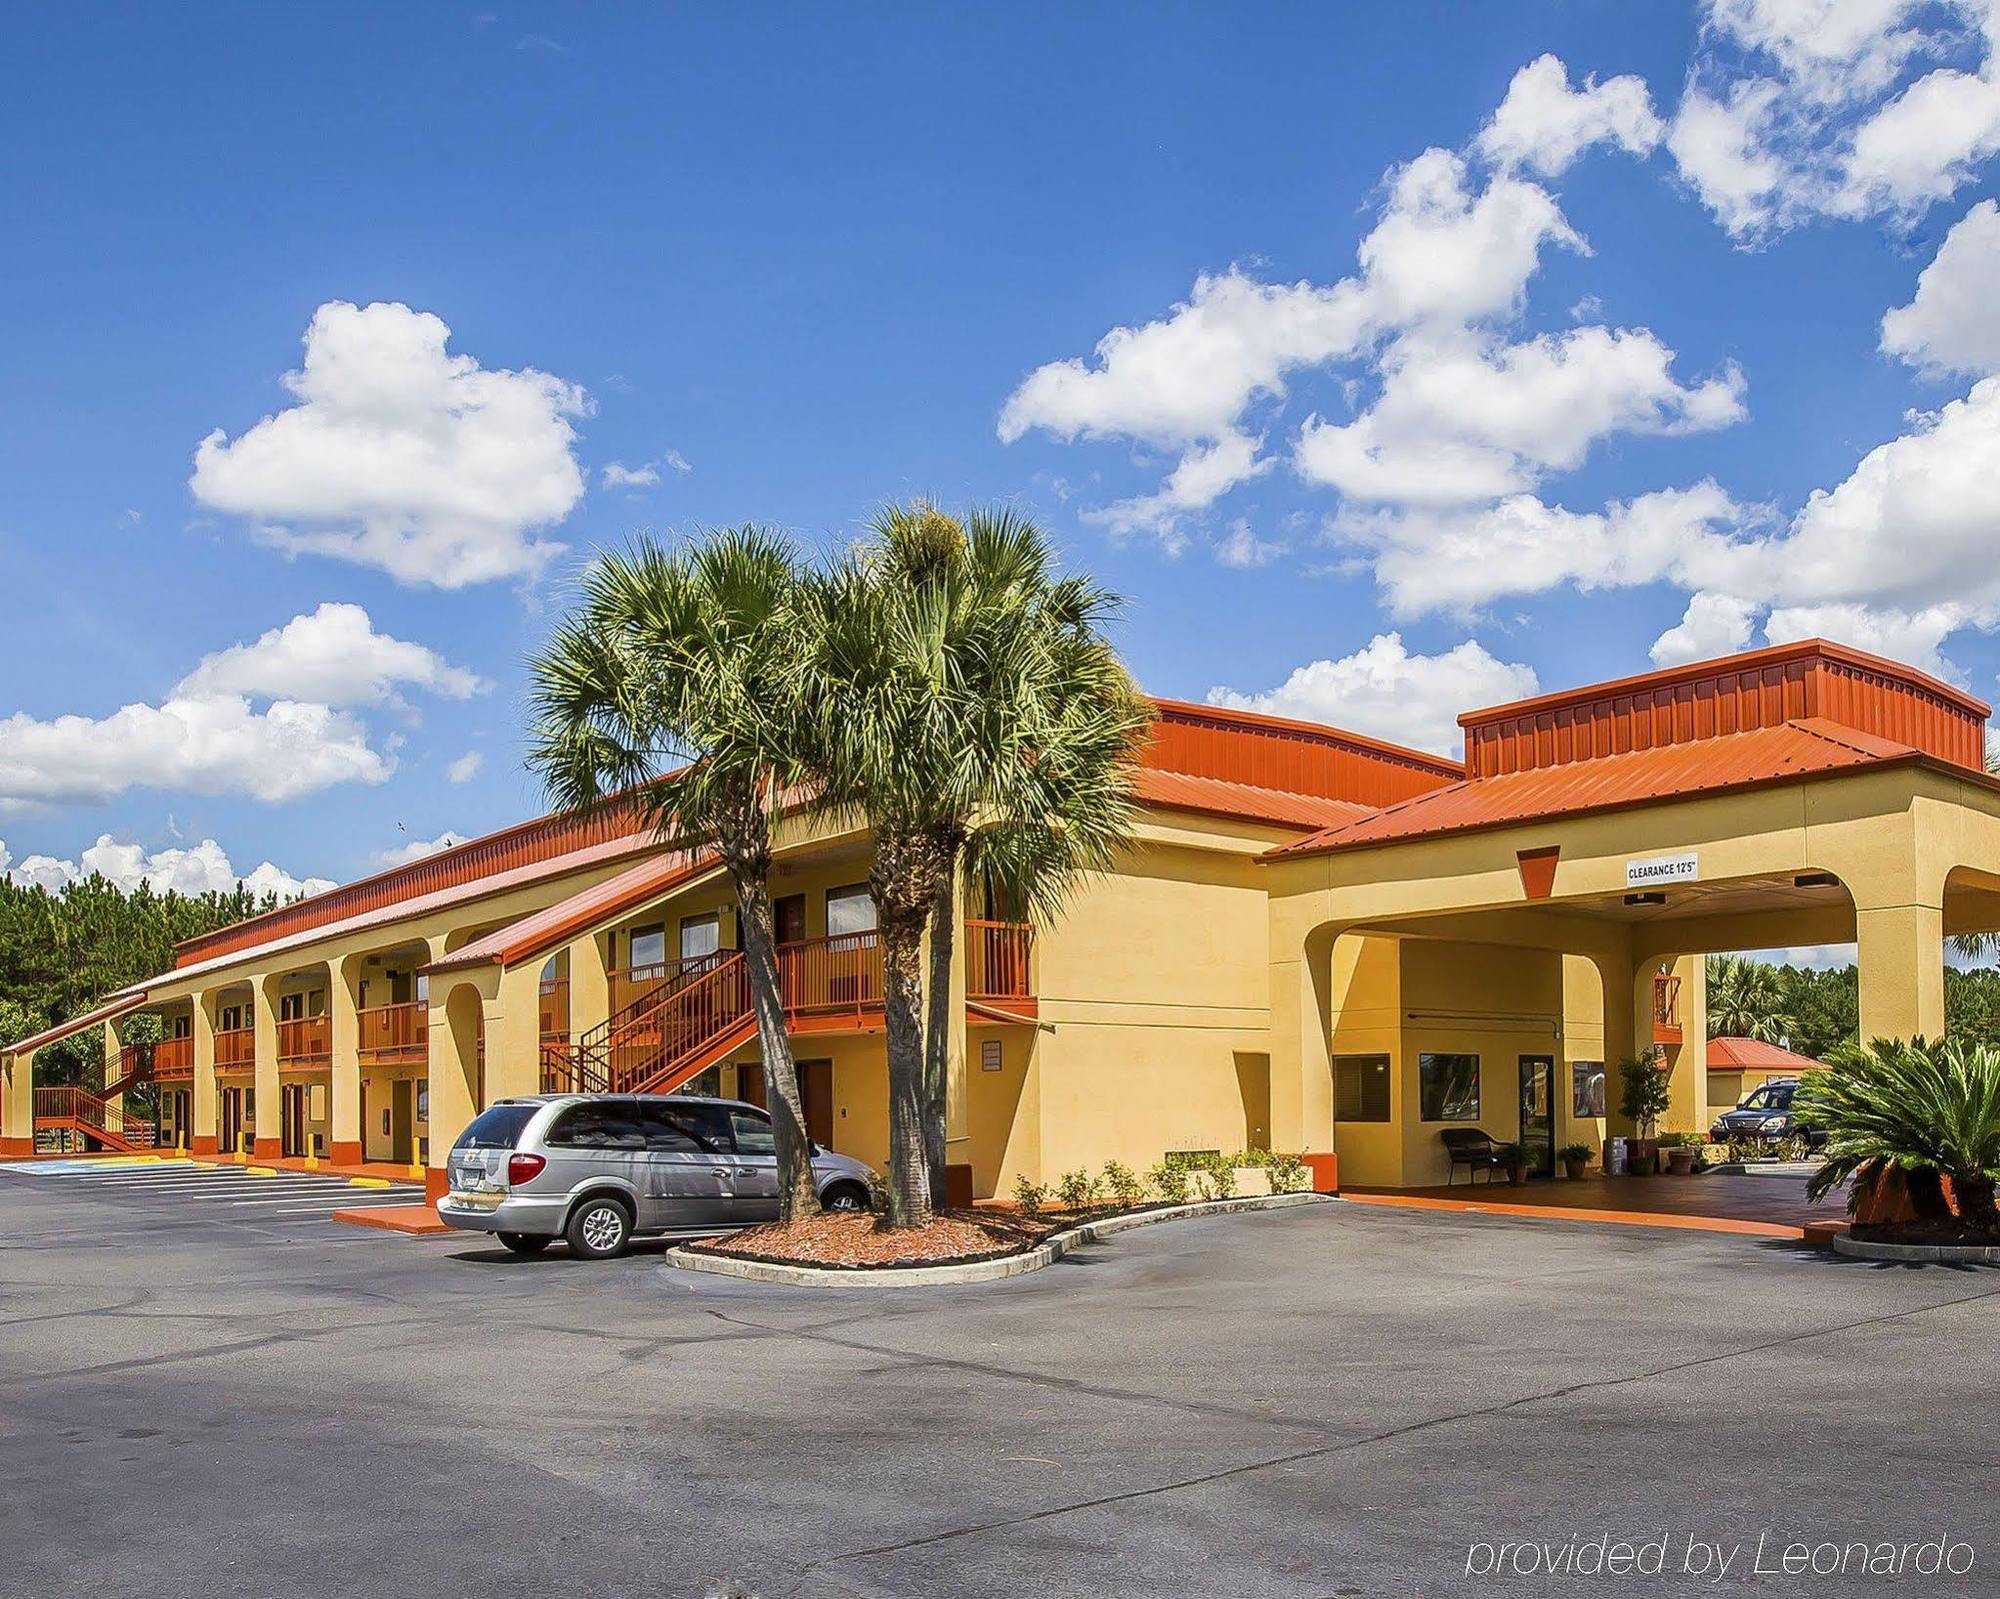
1327	1401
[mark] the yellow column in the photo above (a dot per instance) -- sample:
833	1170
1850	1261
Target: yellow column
514	1034
1900	950
1628	1025
957	1113
113	1043
453	1067
344	1043
17	1104
589	984
264	1013
1301	1057
204	1074
1687	1061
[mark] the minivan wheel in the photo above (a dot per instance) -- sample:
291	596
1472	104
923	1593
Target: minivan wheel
599	1229
846	1197
526	1243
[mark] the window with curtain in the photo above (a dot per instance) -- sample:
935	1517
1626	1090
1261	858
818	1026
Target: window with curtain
849	910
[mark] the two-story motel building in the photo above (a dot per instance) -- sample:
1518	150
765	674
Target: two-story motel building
1318	941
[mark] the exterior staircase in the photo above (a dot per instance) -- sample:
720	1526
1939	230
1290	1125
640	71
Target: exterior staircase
80	1116
700	1013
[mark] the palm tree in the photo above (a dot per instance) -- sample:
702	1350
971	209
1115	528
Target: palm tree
972	709
1928	1109
672	681
1745	1000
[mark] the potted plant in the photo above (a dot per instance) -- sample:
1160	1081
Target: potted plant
1681	1148
1643	1099
1513	1161
1575	1159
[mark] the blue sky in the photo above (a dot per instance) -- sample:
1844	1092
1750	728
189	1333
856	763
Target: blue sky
1621	318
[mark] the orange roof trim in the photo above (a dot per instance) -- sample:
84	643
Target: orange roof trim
76	1024
1729	1054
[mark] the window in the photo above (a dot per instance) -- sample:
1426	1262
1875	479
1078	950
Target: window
689	1129
1448	1087
849	910
1586	1088
753	1133
700	935
497	1128
599	1126
649	946
1361	1088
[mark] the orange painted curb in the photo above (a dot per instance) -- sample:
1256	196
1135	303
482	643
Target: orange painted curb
1628	1218
418	1220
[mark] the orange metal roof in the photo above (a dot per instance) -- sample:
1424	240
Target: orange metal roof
1215	796
1752	1054
1275	752
557	924
76	1024
1678	771
1812	679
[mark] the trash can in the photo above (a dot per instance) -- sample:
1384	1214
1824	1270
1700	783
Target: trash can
1614	1157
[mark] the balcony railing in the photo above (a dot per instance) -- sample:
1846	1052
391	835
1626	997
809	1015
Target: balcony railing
821	975
1666	1009
630	984
173	1058
305	1041
996	960
387	1034
236	1049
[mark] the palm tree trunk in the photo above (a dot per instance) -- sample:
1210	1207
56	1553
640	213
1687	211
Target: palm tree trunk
797	1194
938	1030
910	1202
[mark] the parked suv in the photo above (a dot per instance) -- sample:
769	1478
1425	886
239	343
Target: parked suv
601	1169
1765	1120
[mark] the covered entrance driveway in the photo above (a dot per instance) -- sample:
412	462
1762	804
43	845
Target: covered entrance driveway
1560	899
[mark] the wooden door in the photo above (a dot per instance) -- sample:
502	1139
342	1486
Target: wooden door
788	917
816	1089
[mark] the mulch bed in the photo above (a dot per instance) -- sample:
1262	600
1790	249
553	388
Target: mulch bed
848	1242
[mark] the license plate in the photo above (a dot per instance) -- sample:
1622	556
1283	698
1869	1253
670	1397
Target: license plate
470	1180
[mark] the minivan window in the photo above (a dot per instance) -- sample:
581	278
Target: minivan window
689	1129
609	1126
498	1127
753	1133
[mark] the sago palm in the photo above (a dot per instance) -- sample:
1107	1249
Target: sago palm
970	706
672	682
1927	1108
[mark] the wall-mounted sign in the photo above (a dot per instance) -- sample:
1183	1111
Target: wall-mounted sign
989	1055
1663	869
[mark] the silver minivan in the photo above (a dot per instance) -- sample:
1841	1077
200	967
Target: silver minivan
601	1169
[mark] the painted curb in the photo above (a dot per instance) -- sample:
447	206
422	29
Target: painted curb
1046	1253
1917	1254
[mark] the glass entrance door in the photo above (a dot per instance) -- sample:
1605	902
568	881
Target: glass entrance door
1538	1114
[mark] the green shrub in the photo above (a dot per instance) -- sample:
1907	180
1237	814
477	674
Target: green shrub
1288	1174
1029	1197
1218	1176
1644	1097
1575	1152
1076	1189
1169	1180
1122	1183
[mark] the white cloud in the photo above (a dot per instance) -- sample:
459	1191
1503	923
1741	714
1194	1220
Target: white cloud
1913	637
465	768
1457	560
202	869
1384	690
1463	419
677	461
272	719
1953	323
617	475
1442	255
1243	549
417	849
332	655
1544	125
217	745
1713	625
403	457
1805	108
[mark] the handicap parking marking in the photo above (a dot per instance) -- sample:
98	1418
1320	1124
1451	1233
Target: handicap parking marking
71	1166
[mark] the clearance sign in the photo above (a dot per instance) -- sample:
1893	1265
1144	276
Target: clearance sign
1663	869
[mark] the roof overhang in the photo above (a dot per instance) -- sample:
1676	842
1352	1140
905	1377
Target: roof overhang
115	1007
